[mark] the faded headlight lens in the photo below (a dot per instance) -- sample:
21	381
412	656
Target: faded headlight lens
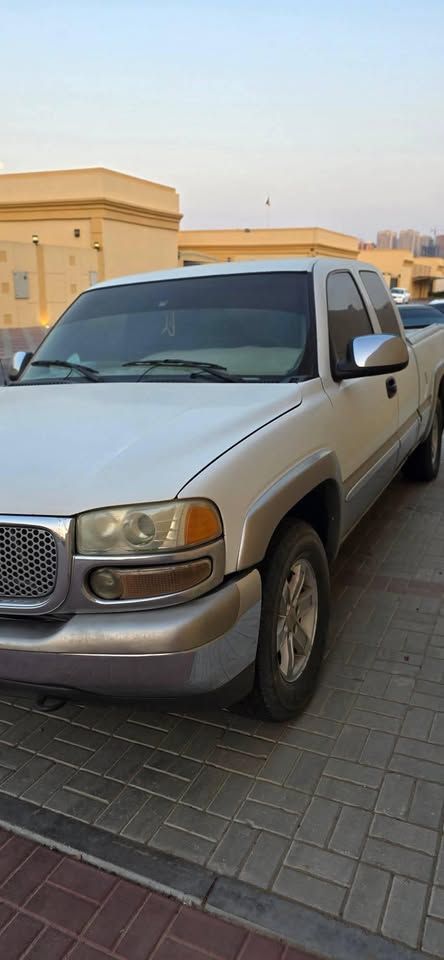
148	528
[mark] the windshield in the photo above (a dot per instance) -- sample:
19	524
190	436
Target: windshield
253	326
397	290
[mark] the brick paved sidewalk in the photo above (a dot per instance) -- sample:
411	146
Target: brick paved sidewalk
53	907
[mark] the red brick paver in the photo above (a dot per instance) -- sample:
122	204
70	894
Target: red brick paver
54	907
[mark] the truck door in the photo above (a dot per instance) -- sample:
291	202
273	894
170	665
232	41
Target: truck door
365	409
407	384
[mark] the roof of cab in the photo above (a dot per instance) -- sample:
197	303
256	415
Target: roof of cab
298	265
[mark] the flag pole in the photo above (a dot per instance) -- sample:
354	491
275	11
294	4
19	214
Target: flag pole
267	217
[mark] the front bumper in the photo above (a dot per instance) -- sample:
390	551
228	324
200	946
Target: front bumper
198	648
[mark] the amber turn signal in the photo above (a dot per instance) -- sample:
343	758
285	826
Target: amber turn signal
144	583
202	524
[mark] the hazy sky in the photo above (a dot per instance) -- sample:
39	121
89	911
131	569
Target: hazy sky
334	108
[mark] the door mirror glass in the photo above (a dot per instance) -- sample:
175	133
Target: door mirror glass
18	363
373	355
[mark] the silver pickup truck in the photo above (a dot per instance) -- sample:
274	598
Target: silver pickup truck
181	459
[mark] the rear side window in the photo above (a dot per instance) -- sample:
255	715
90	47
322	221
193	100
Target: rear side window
347	315
381	301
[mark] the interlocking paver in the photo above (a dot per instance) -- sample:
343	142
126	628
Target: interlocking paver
233	792
350	831
403	916
378	748
264	860
436	905
318	822
280	763
320	863
307	771
61	908
18	936
345	792
367	897
108	925
29	875
395	795
52	944
350	743
147	927
433	937
310	890
233	849
262	816
285	798
407	863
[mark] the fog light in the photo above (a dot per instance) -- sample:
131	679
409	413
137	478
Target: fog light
106	583
144	583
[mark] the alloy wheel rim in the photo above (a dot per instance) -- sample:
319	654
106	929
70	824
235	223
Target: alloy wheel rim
297	620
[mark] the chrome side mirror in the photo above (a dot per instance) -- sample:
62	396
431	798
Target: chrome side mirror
18	363
373	355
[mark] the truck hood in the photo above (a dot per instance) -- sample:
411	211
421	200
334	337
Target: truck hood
69	448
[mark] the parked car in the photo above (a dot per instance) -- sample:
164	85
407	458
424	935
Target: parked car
400	294
186	452
420	315
439	304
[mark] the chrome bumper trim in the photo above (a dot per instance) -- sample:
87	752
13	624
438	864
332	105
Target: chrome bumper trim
191	649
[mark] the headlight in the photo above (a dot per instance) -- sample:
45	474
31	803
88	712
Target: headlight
148	528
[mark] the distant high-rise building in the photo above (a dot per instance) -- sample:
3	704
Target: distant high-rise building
427	246
386	239
410	240
439	241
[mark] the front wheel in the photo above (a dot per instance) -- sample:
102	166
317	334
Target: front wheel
424	463
294	621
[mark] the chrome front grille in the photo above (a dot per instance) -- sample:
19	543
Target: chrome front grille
28	562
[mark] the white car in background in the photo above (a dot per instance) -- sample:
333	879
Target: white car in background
400	294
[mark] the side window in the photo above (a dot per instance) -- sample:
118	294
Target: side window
381	301
347	315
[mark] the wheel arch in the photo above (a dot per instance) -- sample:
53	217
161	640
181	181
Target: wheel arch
311	492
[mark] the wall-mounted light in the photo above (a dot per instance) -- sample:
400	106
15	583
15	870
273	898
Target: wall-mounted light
35	239
96	245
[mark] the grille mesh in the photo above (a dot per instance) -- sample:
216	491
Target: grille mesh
28	563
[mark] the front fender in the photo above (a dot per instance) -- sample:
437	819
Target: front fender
275	503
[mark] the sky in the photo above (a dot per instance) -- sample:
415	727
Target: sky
333	109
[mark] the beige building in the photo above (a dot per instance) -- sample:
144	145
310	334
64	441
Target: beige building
422	276
60	231
209	246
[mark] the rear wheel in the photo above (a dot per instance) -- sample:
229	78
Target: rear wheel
425	461
294	621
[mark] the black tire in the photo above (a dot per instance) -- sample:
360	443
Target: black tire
425	461
274	696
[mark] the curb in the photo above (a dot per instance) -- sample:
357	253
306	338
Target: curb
190	883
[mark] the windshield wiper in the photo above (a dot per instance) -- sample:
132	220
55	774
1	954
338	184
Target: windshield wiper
88	372
213	369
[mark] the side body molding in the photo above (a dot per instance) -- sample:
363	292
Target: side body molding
272	506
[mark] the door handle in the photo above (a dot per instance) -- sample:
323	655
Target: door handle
391	386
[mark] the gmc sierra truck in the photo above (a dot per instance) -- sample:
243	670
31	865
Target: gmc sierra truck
182	458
